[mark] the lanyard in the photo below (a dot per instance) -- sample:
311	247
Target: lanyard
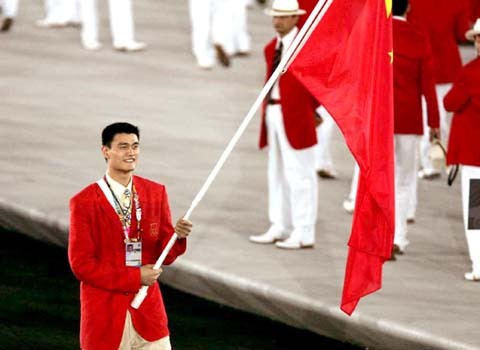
125	215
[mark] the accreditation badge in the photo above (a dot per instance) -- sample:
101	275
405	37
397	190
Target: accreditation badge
133	254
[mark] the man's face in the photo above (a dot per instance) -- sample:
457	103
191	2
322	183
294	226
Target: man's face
284	24
122	154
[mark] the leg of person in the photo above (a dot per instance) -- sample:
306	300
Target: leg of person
200	20
323	156
349	204
71	14
122	26
89	16
10	11
222	31
405	147
131	340
279	207
299	172
241	37
413	193
427	172
445	116
473	235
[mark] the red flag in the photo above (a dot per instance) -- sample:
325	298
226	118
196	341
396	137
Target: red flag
347	65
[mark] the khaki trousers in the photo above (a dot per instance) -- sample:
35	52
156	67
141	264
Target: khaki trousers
131	340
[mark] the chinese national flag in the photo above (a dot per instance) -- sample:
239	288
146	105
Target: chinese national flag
347	65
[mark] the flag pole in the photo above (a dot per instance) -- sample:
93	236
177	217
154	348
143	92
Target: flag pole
142	293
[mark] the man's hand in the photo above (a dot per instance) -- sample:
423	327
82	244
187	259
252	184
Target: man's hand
149	274
183	228
434	134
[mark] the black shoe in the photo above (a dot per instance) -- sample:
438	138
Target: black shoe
7	23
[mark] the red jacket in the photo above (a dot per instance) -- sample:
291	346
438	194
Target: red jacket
298	107
464	100
412	78
97	257
446	22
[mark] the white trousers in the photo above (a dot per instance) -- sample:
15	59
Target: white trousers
473	236
62	11
9	8
323	156
445	121
354	185
412	191
210	24
241	41
405	174
121	21
292	182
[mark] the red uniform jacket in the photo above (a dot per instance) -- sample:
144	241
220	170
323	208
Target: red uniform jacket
464	100
298	107
97	257
412	78
446	22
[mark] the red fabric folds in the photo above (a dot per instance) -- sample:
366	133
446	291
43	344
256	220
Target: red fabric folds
347	65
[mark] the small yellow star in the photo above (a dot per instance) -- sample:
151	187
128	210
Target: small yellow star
388	7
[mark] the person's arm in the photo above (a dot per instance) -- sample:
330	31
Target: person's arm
84	261
430	93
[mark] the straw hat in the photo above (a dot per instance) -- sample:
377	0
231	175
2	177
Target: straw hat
282	8
474	31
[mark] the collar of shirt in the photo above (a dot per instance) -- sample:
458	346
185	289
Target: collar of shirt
117	188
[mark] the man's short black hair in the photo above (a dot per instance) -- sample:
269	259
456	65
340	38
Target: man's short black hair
399	7
118	128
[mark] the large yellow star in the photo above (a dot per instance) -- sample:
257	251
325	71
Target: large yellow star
388	7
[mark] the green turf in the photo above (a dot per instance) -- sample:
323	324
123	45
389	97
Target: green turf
39	309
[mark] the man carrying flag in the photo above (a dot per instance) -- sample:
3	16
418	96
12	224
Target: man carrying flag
288	127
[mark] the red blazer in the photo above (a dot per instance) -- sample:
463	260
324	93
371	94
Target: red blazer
97	257
412	78
298	107
446	22
464	100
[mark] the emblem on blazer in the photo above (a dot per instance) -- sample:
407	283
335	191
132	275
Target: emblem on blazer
154	229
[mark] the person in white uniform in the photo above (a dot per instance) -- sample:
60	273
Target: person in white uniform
121	25
288	127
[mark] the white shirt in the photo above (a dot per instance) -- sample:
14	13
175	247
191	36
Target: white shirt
117	188
286	41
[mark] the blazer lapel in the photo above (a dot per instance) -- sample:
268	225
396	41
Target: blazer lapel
107	208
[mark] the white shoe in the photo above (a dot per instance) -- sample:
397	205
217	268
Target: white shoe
471	276
92	46
293	243
271	236
44	23
349	206
134	46
428	174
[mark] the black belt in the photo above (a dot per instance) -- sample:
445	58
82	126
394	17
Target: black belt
274	101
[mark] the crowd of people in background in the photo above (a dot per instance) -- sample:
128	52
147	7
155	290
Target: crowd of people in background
436	100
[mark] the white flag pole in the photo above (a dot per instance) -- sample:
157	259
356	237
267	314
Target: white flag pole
142	293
